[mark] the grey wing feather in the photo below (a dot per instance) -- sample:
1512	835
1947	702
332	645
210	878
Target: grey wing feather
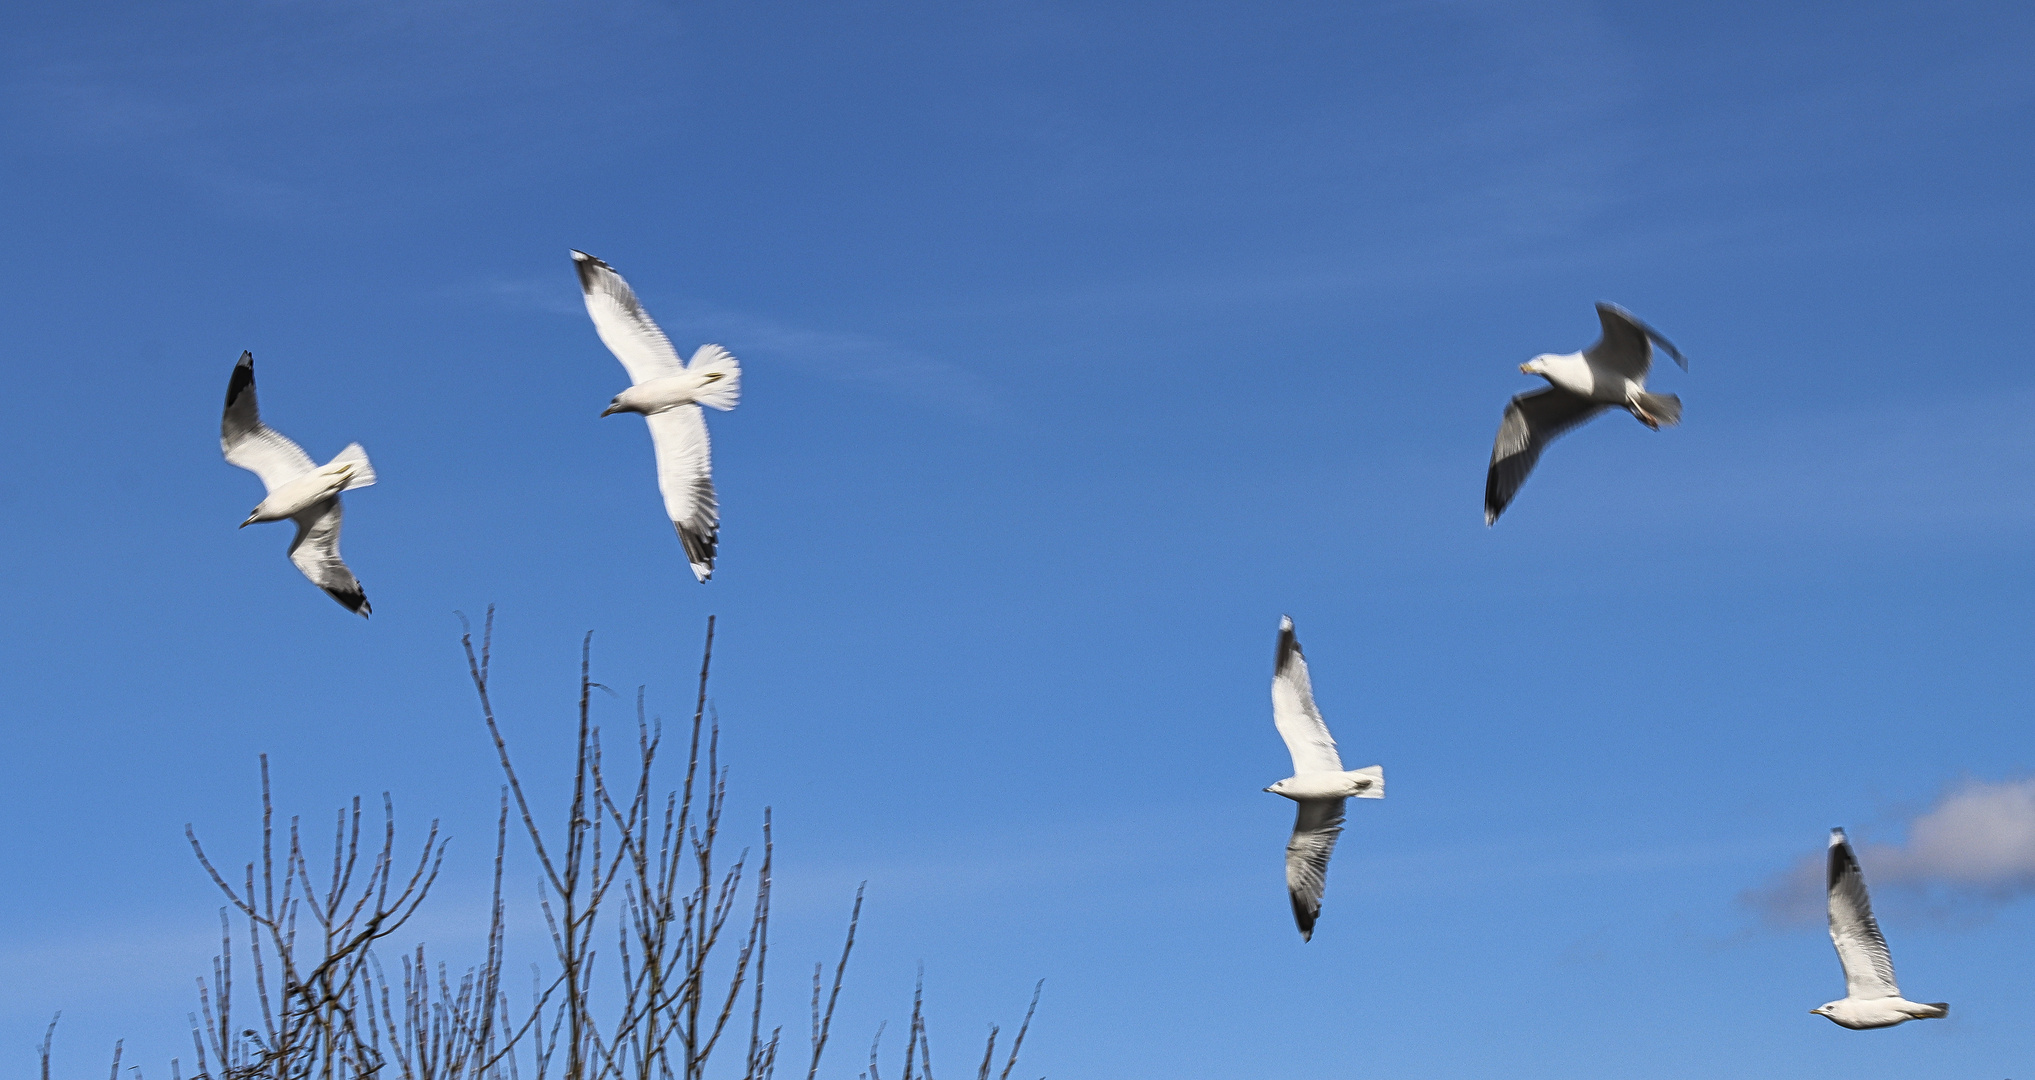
1294	712
1315	828
251	444
1532	420
1627	342
625	328
685	476
315	551
1861	949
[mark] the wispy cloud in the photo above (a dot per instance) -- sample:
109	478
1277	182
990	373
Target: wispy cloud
170	137
862	360
1973	851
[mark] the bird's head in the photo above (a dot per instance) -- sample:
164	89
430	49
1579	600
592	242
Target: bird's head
614	407
1278	788
252	514
1535	366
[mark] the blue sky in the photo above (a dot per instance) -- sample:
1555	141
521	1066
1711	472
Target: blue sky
1080	342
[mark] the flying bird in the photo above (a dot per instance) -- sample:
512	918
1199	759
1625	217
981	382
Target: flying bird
668	392
1871	1000
1611	373
1318	783
298	490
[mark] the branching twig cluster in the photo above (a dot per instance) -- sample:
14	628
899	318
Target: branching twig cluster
626	868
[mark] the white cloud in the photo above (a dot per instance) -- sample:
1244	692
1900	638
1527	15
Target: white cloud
1975	848
1981	836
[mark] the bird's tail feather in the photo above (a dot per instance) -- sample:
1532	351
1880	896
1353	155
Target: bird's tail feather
1666	409
723	392
1376	773
1942	1009
363	469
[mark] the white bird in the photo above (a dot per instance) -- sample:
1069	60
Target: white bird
1318	783
1611	373
668	393
1871	1000
299	490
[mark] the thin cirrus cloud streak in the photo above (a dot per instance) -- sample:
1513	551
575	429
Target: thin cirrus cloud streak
842	356
1971	852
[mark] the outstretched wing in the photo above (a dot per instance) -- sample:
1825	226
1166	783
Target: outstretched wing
1315	829
1626	346
316	553
685	475
1294	713
1868	968
251	444
1532	420
625	328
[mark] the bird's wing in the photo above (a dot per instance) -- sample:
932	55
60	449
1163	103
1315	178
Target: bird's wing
685	475
316	553
1532	420
1315	829
1293	711
1868	968
1625	346
251	444
625	328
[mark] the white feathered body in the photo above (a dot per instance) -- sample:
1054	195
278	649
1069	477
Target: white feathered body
1364	783
349	470
713	380
1860	1014
1576	374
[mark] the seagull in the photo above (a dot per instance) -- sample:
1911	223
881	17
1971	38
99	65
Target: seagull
1871	1000
668	392
297	489
1610	373
1318	783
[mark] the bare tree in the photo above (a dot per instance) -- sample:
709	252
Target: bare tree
309	999
626	866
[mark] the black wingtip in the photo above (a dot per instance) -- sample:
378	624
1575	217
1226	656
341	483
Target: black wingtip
588	267
1303	918
1842	861
1288	647
354	601
242	378
699	550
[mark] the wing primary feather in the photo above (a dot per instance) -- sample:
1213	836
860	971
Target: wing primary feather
242	382
1294	712
685	476
1607	310
315	552
1861	948
1316	825
1532	420
623	325
250	444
